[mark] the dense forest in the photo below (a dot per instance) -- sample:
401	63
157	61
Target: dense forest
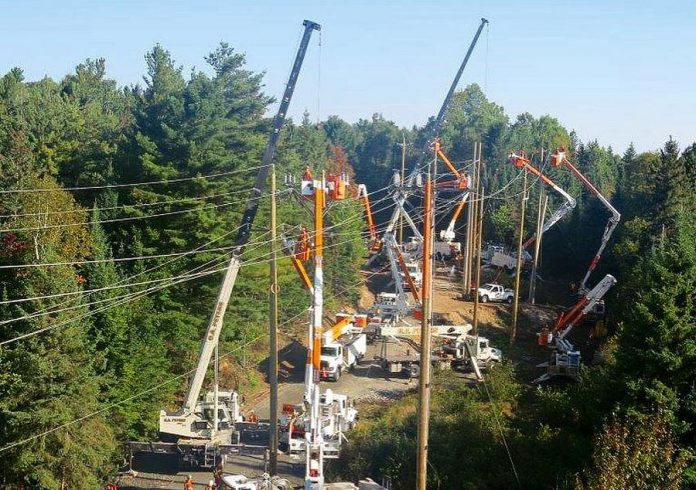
108	275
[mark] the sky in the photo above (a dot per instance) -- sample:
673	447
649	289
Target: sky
615	71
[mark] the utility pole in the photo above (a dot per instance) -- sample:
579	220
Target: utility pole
403	170
466	265
273	334
541	216
479	240
518	267
426	322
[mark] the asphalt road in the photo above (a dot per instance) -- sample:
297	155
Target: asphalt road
354	383
366	382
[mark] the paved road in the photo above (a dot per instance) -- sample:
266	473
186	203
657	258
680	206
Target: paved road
355	383
366	382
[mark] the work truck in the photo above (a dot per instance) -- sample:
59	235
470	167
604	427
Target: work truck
342	354
495	292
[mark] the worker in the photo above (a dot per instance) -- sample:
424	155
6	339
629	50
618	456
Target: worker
111	486
217	475
252	417
211	485
188	484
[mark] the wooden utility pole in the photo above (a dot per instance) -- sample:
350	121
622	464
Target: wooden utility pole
426	322
541	216
478	241
403	176
518	266
468	247
273	335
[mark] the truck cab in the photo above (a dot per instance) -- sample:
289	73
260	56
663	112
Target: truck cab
331	361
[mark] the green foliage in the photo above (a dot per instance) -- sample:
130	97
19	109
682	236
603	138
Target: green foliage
636	453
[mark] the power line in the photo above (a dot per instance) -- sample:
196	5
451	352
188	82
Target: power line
153	388
134	184
127	206
118	220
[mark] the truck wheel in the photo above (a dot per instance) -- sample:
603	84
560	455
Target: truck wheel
509	300
484	298
414	370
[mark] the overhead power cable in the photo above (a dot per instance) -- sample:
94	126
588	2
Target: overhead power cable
118	220
155	387
134	184
130	206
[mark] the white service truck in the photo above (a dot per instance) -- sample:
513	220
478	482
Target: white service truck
341	355
464	348
495	292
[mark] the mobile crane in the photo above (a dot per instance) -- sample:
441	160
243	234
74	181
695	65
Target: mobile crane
204	427
559	158
403	190
565	360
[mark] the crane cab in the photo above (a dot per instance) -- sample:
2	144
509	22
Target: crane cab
198	424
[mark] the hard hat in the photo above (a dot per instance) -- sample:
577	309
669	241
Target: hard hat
211	483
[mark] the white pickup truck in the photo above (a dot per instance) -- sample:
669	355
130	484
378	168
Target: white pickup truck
342	354
495	292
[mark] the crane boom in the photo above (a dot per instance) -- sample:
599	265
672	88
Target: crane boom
520	161
448	234
433	131
559	158
440	118
215	324
572	316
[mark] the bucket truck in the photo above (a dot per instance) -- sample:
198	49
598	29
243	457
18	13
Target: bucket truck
565	360
500	258
446	246
374	244
519	160
203	427
558	158
343	345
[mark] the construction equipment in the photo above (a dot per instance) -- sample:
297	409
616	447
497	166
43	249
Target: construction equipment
402	190
374	244
461	181
469	352
520	160
497	255
209	422
558	158
447	235
299	253
565	360
343	345
459	350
